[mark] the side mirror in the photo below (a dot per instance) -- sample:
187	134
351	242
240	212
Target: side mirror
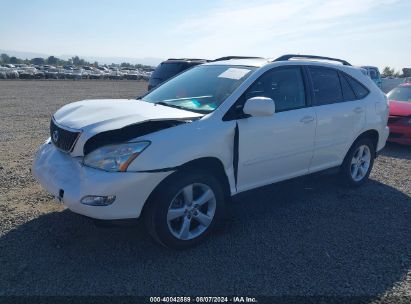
259	106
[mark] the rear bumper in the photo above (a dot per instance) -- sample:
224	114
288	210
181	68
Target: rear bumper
57	171
383	138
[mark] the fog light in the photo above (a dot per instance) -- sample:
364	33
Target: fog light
95	200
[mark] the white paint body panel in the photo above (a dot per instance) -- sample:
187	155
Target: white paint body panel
96	116
56	170
275	148
337	125
271	149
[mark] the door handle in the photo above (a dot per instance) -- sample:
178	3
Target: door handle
358	110
307	119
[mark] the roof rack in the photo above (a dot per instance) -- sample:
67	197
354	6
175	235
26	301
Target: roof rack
198	59
235	57
290	56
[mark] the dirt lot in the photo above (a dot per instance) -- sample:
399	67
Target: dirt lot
307	236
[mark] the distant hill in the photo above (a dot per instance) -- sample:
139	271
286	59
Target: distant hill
104	60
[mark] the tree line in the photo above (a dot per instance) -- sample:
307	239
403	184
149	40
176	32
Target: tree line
52	60
390	72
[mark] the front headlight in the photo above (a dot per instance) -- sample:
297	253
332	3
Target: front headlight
115	158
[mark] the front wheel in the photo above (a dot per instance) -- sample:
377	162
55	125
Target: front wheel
185	209
358	162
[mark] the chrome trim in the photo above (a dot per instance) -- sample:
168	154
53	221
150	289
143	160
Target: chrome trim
79	131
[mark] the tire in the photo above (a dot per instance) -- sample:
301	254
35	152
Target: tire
358	163
180	229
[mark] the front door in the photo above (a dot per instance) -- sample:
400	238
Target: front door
279	146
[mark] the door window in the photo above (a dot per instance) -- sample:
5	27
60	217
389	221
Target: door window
283	85
326	85
359	89
347	90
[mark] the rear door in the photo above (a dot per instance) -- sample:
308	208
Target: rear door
340	116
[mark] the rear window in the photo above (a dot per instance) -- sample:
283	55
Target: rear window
359	90
168	70
326	84
400	94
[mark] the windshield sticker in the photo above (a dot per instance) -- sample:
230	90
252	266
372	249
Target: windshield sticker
234	73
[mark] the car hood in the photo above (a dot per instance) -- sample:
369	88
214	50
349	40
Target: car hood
106	114
400	108
97	116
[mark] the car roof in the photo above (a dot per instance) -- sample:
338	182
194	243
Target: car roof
369	67
260	62
405	85
255	62
174	60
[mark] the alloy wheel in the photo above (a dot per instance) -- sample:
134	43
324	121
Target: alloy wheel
360	163
191	211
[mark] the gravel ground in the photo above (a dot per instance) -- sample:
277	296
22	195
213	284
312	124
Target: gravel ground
307	236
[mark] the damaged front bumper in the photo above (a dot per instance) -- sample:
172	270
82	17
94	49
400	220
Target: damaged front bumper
70	181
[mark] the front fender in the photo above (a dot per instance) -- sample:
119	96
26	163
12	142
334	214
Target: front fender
177	146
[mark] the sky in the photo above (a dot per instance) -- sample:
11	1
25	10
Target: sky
363	32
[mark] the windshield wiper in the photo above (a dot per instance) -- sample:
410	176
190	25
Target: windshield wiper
181	108
162	103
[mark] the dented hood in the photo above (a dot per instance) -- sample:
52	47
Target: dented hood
100	115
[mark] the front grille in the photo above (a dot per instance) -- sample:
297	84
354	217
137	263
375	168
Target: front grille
395	135
393	119
63	139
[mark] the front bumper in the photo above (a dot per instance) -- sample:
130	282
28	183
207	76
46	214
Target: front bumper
400	134
57	171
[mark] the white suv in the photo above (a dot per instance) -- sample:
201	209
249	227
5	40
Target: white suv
175	155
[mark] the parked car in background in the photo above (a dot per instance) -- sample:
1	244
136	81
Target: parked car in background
116	74
78	74
104	72
68	73
26	72
38	74
133	74
62	73
407	80
10	73
174	156
95	74
374	74
51	73
69	67
399	120
3	72
170	68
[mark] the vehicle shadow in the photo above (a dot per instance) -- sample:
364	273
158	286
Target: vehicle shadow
307	236
397	151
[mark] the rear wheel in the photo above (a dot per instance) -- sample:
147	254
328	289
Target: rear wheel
358	162
185	209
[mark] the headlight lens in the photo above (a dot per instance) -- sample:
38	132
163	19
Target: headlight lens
115	158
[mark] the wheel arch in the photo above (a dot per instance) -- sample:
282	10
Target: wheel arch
212	165
372	134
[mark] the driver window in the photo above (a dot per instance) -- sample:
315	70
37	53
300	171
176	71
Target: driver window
284	85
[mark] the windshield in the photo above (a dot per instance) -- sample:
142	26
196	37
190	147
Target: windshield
373	73
201	89
400	94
